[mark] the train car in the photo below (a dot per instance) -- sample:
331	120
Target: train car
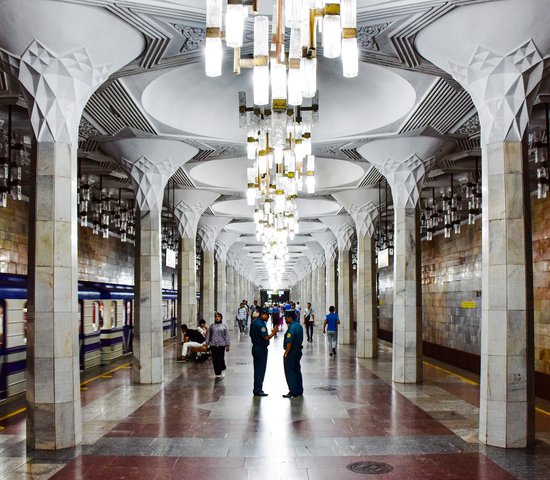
105	325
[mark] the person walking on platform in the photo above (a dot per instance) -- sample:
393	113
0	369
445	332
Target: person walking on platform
241	317
309	321
219	342
330	327
294	338
260	341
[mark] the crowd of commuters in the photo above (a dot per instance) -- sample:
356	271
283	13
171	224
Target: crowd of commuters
215	340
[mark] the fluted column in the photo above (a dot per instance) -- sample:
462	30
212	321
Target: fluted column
57	75
150	162
209	228
342	227
189	204
404	162
502	71
359	204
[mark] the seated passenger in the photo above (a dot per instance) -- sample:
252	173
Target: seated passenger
191	339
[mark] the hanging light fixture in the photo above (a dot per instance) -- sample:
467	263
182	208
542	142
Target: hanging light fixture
292	75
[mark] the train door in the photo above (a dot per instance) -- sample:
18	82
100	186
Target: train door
127	328
3	359
81	342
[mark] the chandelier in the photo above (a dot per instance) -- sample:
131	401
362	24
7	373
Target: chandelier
539	151
292	74
107	213
279	142
13	157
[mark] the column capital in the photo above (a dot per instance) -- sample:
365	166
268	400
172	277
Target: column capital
503	88
343	229
189	204
223	244
405	161
150	162
209	228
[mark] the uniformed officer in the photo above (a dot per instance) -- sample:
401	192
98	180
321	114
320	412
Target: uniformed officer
260	341
294	338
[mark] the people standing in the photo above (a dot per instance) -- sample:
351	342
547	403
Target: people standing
219	342
241	317
260	341
309	321
330	326
294	338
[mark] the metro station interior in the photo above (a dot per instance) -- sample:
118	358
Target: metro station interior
163	160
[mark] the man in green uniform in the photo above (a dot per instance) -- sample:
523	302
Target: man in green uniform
260	341
294	338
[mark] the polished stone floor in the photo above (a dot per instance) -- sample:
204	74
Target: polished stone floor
197	426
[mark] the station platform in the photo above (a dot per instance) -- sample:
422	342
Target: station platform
351	420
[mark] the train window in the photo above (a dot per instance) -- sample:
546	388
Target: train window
25	322
114	320
129	313
80	323
2	325
97	316
165	310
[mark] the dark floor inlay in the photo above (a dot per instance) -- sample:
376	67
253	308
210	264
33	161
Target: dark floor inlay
326	389
369	468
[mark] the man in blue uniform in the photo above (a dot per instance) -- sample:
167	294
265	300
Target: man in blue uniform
294	338
260	341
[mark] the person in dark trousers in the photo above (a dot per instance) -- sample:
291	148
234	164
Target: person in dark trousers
294	338
309	321
260	341
330	327
219	343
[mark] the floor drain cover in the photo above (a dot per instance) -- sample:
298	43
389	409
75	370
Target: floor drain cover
369	468
326	389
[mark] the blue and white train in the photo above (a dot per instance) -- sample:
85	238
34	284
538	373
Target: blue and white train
105	316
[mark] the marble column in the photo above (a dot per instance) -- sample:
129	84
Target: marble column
321	307
360	204
405	161
343	230
57	76
150	162
209	229
189	204
502	71
224	280
230	306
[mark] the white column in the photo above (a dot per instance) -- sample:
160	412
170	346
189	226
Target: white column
503	73
150	162
56	86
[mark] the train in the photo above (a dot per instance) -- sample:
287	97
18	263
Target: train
105	316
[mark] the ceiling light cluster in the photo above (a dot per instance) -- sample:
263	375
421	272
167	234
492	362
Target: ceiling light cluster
279	142
292	74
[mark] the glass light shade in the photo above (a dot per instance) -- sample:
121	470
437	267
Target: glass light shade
350	57
348	12
332	36
234	25
213	57
306	145
261	36
251	148
293	13
309	77
261	85
278	80
278	155
251	196
214	12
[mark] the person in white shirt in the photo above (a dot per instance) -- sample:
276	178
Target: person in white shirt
241	317
309	321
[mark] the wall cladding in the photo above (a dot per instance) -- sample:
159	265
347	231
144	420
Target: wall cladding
540	211
451	290
13	237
